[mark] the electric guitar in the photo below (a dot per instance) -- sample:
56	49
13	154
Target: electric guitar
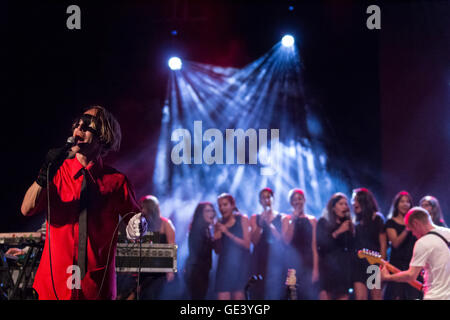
291	283
374	257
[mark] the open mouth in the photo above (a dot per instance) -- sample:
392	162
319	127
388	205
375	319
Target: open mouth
78	140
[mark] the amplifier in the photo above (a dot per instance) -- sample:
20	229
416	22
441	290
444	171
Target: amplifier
154	257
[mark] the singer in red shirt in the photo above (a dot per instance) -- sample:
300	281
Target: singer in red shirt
110	197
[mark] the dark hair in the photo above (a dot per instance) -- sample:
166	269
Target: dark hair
197	220
436	212
367	203
329	213
294	191
152	203
393	212
268	190
107	128
230	198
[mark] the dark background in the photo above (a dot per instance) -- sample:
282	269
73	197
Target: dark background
383	95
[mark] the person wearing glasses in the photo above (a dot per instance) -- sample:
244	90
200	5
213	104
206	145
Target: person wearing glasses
85	200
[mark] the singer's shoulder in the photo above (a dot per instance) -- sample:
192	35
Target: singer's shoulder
110	170
379	217
111	174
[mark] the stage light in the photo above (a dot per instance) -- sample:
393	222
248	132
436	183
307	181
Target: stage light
175	63
204	104
287	41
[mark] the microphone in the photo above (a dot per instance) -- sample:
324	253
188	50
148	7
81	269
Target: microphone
70	142
61	153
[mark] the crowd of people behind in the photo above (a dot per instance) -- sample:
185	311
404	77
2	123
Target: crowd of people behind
255	254
86	201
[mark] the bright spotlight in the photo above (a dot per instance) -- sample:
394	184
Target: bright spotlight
175	63
287	41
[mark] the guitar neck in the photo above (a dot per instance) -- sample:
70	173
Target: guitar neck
392	269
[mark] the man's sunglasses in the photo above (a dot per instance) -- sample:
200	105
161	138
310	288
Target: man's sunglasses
84	123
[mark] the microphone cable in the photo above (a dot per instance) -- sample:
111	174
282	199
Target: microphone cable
138	289
48	231
49	241
70	141
109	253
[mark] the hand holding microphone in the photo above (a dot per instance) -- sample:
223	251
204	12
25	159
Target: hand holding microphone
265	215
53	160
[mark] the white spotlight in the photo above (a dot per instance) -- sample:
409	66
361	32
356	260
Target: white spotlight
287	41
175	63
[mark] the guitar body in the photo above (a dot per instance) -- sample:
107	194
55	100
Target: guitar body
374	257
291	284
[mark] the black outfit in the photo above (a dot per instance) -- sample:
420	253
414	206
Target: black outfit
335	257
366	237
400	258
198	263
265	260
299	256
126	281
153	283
234	261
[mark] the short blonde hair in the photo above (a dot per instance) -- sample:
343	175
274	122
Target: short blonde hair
417	213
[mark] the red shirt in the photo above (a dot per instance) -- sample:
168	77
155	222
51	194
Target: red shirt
111	195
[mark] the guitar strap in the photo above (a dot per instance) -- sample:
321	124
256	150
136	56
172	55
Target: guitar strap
440	236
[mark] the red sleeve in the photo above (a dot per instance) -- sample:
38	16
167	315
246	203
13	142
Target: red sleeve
128	201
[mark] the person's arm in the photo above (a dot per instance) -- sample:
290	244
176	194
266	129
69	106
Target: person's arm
127	204
17	251
383	245
33	200
315	274
287	229
275	233
404	276
380	227
217	238
255	230
169	230
396	239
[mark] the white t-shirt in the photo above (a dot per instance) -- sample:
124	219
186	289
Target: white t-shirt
432	254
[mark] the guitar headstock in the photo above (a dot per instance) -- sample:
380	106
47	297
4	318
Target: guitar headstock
291	279
373	257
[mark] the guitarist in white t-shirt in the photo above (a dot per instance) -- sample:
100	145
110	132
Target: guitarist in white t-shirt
431	252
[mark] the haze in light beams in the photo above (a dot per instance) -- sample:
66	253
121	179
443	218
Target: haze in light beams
266	94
